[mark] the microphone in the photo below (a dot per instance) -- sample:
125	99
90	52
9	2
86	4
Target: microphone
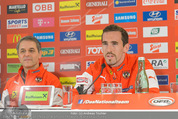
86	90
81	80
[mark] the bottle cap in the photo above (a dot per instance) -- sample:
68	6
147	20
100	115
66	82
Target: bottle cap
141	58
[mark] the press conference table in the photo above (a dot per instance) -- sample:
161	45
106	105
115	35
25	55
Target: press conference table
124	106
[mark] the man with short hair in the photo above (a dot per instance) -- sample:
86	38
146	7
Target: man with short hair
120	66
31	72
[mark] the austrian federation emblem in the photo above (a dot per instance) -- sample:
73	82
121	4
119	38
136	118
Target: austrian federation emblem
126	74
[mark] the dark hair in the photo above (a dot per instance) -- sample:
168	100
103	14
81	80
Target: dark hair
113	27
29	38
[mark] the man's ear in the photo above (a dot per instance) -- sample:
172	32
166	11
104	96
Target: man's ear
126	47
40	53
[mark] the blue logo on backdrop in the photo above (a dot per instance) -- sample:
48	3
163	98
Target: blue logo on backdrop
133	49
90	62
162	79
44	37
124	3
125	17
80	101
70	36
154	15
176	12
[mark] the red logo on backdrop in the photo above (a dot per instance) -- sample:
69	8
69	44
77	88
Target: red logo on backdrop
43	7
155	48
132	32
45	66
97	19
94	50
14	38
70	20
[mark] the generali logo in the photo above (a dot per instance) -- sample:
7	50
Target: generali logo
97	19
14	38
43	7
155	47
96	3
70	51
94	50
161	101
154	2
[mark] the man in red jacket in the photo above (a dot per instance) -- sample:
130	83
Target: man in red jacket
120	66
31	72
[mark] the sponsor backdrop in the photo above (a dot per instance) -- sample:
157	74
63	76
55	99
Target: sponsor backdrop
70	34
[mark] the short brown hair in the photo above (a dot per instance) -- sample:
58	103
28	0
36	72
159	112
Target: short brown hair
113	27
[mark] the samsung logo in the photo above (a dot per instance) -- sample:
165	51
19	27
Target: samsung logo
161	101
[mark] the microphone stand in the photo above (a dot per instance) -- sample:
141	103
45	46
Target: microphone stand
80	88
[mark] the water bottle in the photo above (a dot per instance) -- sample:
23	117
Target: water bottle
141	82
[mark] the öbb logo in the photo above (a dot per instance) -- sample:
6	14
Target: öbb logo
43	7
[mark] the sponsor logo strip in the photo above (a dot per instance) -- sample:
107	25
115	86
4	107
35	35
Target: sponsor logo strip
12	53
43	7
70	66
44	37
125	17
97	19
15	9
159	63
94	34
133	49
70	20
48	52
70	51
49	66
154	2
96	3
154	15
68	80
70	36
94	50
124	3
13	67
132	32
43	22
69	5
155	47
17	23
14	38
